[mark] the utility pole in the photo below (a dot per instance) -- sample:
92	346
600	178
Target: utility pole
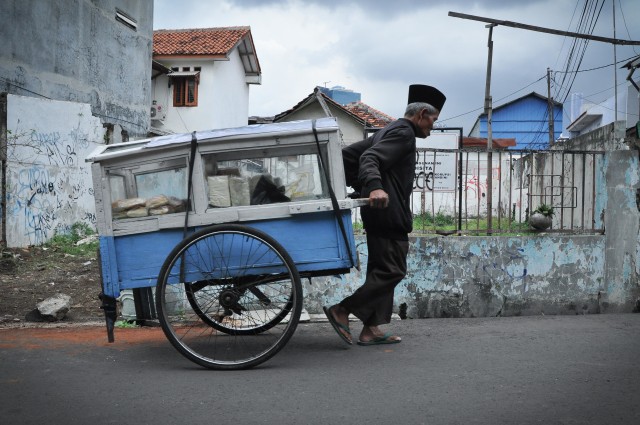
615	68
488	108
551	109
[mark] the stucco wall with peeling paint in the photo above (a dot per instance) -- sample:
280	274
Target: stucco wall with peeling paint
493	276
477	277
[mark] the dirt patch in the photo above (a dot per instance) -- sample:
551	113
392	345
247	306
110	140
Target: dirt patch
55	337
30	275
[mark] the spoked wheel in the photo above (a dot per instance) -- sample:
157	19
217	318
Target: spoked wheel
229	297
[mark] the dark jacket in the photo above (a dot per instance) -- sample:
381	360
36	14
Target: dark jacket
386	160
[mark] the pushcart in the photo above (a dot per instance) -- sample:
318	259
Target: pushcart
224	224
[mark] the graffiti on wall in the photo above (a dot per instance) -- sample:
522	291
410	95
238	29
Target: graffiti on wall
43	199
49	186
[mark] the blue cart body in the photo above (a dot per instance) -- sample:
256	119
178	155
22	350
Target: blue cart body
314	242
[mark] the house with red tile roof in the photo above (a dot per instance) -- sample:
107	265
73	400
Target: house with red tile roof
210	71
356	120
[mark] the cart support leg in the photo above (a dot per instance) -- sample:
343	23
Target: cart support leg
109	305
145	306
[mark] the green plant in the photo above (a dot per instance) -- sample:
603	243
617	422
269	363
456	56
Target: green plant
545	210
426	220
126	324
67	242
471	225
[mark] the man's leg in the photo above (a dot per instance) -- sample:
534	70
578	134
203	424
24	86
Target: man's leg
386	267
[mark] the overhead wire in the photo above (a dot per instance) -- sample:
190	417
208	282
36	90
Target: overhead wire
587	24
576	45
564	39
442	120
574	59
625	25
572	49
588	18
538	133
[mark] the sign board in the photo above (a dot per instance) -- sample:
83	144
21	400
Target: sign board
436	171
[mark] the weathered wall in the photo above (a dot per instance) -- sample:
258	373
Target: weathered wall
76	50
619	198
622	228
48	183
487	276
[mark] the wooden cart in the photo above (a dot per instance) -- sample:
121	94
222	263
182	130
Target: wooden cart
224	224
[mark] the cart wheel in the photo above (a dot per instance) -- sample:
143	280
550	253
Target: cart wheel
229	297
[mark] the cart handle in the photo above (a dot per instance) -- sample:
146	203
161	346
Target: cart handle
361	202
316	206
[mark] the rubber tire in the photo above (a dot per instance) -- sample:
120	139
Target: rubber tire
270	337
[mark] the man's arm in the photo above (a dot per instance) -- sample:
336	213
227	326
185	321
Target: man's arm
383	154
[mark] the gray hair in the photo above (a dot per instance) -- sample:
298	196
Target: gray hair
416	107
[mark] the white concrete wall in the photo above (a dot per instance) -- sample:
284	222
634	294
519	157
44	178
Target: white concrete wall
223	97
230	97
627	111
49	185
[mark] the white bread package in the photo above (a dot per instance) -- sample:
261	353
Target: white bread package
239	191
219	191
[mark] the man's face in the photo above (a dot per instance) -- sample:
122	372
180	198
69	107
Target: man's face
425	123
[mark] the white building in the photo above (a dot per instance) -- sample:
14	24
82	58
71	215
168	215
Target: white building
207	86
585	116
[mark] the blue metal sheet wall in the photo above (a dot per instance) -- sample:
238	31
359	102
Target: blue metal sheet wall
526	120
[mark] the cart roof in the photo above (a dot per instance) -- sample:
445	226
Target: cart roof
250	131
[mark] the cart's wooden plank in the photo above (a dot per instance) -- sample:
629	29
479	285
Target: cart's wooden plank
109	267
138	225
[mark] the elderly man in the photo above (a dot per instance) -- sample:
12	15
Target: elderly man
382	169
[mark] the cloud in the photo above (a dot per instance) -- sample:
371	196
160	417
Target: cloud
379	47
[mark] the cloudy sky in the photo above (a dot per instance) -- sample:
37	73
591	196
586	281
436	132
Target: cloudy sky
379	47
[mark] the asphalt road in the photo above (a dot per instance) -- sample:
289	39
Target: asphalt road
516	370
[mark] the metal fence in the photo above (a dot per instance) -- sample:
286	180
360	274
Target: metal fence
473	192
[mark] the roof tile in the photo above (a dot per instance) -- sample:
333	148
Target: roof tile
197	41
371	116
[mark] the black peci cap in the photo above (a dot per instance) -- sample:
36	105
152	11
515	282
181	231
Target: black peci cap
426	94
